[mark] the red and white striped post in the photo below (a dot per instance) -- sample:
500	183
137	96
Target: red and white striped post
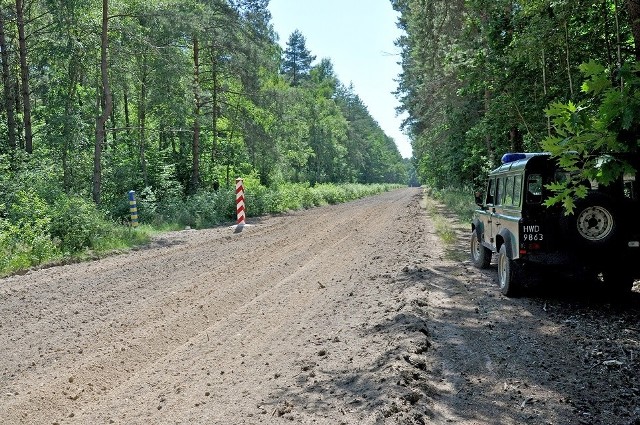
240	209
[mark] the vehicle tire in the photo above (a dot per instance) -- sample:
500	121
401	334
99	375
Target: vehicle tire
508	271
480	255
594	223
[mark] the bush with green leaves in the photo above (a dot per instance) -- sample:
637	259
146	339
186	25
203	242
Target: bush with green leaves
25	238
459	201
332	194
281	198
210	208
35	231
77	224
24	245
203	209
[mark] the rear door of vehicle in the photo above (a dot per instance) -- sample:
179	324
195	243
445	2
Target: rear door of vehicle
533	235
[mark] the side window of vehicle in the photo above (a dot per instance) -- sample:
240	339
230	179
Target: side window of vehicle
490	190
517	190
534	189
508	191
499	190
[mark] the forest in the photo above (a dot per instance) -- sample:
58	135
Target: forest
175	99
172	99
485	77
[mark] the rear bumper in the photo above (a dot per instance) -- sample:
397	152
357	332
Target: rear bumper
626	257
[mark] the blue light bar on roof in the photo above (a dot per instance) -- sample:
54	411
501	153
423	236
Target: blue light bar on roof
510	157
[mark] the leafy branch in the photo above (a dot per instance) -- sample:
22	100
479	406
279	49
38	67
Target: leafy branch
587	135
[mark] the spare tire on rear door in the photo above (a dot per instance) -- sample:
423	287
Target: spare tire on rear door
594	222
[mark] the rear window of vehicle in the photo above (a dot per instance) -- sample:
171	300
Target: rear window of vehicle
534	189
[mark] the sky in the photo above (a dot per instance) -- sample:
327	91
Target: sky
358	36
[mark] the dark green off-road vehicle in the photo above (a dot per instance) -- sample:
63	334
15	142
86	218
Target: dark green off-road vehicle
600	240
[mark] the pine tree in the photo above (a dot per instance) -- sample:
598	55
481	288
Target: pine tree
297	59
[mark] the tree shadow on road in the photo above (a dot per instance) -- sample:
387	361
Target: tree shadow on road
555	355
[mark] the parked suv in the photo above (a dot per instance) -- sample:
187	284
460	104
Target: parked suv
600	239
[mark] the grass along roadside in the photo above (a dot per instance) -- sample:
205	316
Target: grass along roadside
443	227
457	201
450	211
39	232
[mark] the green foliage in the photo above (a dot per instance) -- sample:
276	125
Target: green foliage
606	122
260	110
201	210
478	76
458	201
177	127
77	224
334	194
23	245
297	59
330	193
121	238
72	228
25	240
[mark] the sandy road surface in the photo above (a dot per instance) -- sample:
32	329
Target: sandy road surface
345	314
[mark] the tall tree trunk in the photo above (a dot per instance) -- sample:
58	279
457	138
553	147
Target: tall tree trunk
195	146
214	108
106	110
633	9
74	76
7	83
566	34
515	139
112	118
162	137
18	107
142	120
127	121
487	139
618	42
544	87
24	75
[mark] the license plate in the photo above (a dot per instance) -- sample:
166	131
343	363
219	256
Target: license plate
532	237
532	233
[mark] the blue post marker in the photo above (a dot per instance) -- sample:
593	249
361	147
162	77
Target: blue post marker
133	208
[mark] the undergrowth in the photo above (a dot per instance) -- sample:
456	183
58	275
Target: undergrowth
39	229
458	202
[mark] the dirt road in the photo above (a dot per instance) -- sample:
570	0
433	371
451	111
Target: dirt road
348	314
